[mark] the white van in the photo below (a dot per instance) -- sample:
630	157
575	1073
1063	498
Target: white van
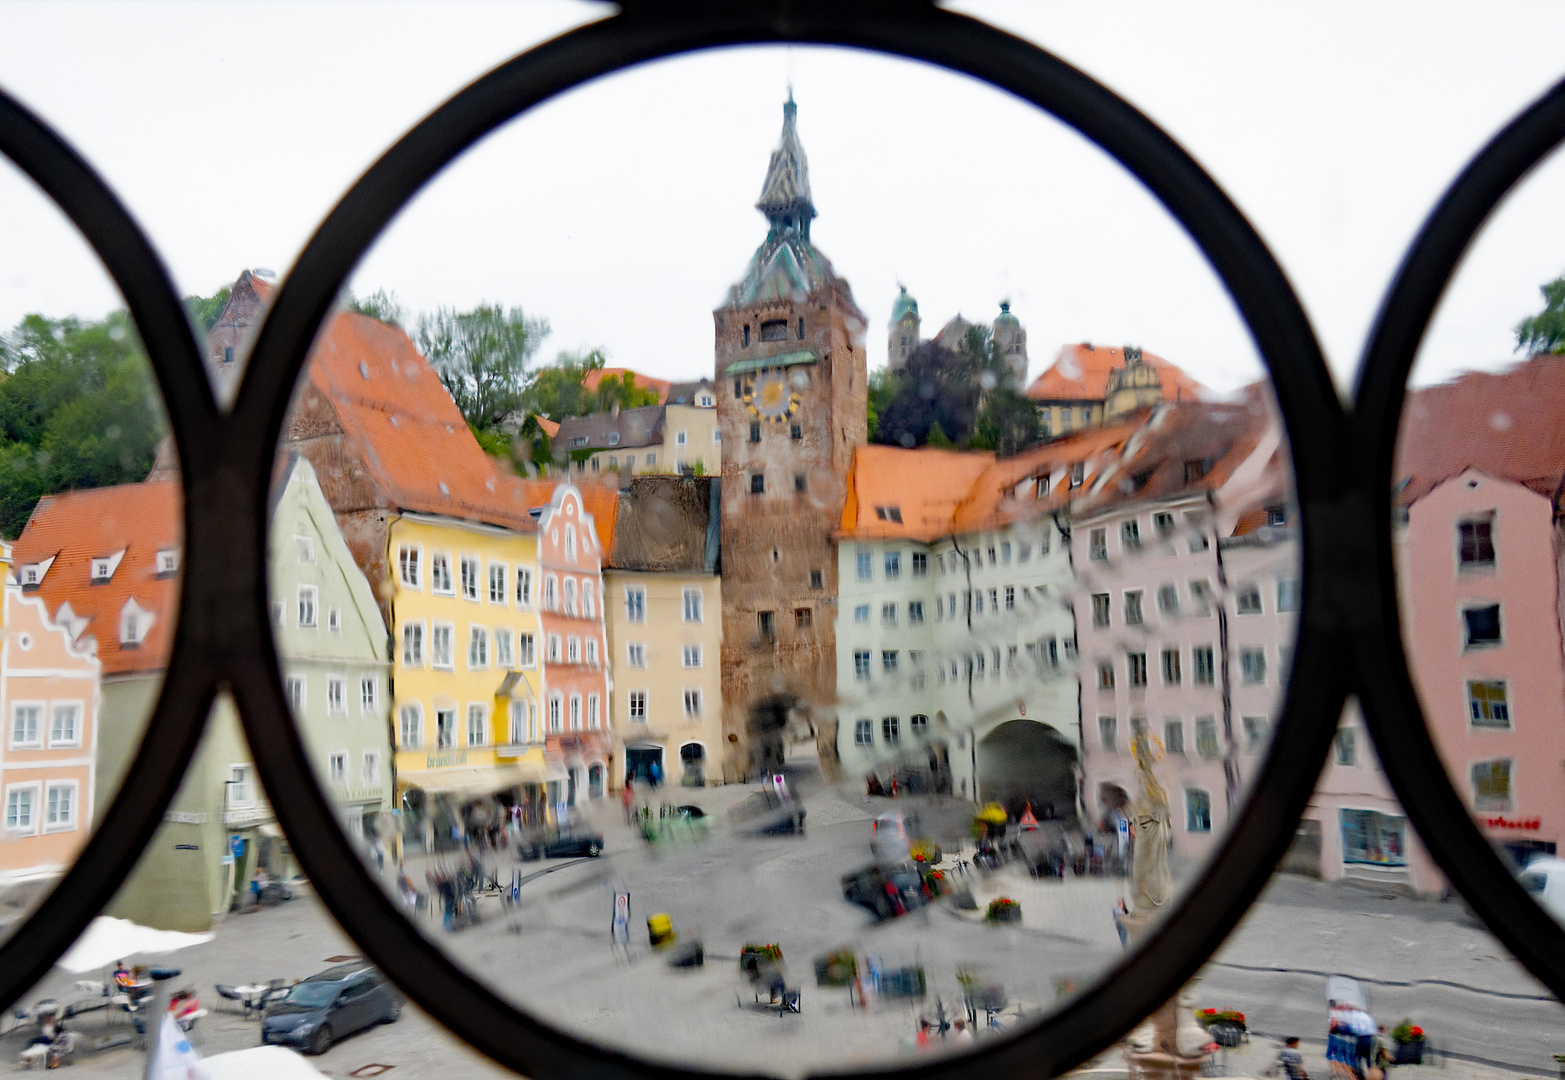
1544	878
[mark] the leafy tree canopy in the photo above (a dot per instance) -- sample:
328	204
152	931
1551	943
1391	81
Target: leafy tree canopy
560	389
882	389
482	357
79	408
622	390
204	310
380	305
1545	331
960	396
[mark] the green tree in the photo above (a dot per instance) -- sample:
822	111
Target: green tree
622	390
882	391
1545	331
381	305
937	437
204	310
79	408
560	390
482	358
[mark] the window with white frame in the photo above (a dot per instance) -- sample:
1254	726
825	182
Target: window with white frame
864	733
65	723
594	715
636	654
1247	599
445	729
1288	594
692	656
337	696
918	725
477	648
556	713
575	712
241	787
1198	810
413	644
524	586
1252	666
440	636
637	700
469	571
504	650
891	730
168	562
692	605
573	649
1168	599
337	768
497	592
888	614
518	718
368	693
861	613
861	664
635	604
589	607
306	548
692	703
554	648
551	592
440	573
915	612
411	726
477	725
307	599
408	565
21	809
570	596
526	651
59	806
570	541
864	561
893	565
1492	784
369	774
334	619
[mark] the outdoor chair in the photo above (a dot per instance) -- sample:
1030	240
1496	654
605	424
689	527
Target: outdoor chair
229	994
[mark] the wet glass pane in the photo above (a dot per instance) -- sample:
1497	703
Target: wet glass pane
810	678
90	515
1477	534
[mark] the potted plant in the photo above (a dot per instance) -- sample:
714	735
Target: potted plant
1003	909
758	960
1227	1027
837	968
925	851
1409	1038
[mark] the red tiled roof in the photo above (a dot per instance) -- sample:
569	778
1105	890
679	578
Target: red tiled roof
78	526
1081	373
924	485
415	441
1505	424
593	378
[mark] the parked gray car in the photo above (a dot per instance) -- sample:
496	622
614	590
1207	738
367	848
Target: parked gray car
330	1006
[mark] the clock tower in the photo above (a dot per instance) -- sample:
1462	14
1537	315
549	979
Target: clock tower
790	368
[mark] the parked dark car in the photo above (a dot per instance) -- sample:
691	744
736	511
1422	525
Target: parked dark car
571	841
887	891
330	1006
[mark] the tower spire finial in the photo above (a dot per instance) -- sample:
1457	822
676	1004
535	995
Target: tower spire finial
785	196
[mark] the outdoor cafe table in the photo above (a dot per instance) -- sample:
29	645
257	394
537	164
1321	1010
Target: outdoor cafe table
252	994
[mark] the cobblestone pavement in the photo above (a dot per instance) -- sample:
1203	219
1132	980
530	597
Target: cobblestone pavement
552	954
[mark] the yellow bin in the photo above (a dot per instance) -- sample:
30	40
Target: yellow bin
660	929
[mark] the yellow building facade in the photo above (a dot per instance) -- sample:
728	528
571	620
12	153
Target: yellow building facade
466	660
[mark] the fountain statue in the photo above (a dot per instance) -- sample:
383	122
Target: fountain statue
1164	1048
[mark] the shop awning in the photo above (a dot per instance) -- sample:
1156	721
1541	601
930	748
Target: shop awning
470	783
782	360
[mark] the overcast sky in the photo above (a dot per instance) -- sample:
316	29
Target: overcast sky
622	211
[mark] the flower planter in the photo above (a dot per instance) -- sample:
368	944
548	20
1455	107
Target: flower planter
1409	1053
1004	913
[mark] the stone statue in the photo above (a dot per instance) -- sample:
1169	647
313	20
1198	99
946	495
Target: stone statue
1150	882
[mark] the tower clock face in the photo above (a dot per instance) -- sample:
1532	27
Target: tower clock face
770	396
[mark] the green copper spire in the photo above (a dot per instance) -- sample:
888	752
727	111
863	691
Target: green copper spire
785	196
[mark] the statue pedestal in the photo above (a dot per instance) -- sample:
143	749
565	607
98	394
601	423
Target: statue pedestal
1169	1046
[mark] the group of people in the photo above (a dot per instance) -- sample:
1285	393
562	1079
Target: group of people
1355	1047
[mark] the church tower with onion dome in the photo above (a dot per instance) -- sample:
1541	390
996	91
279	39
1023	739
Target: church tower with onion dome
791	378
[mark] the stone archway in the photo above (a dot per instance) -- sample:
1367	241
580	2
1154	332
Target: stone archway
768	734
1024	762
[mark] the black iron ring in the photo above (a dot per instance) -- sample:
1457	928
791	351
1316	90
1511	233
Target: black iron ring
1395	717
1329	491
188	686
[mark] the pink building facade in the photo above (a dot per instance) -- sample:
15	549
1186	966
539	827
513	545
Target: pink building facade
575	670
49	697
1481	608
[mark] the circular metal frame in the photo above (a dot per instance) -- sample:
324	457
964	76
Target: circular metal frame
189	684
1395	716
1257	285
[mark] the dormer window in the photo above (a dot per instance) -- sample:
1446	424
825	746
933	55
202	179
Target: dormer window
135	621
30	576
103	567
168	562
706	401
889	513
613	438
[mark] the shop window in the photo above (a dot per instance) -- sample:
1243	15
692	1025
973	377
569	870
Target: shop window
1373	838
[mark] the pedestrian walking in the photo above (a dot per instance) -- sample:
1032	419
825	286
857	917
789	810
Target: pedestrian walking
627	796
1340	1043
1362	1027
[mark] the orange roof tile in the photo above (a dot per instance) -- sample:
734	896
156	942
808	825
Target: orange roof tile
925	485
593	378
549	427
415	441
77	526
1504	424
992	502
1081	373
